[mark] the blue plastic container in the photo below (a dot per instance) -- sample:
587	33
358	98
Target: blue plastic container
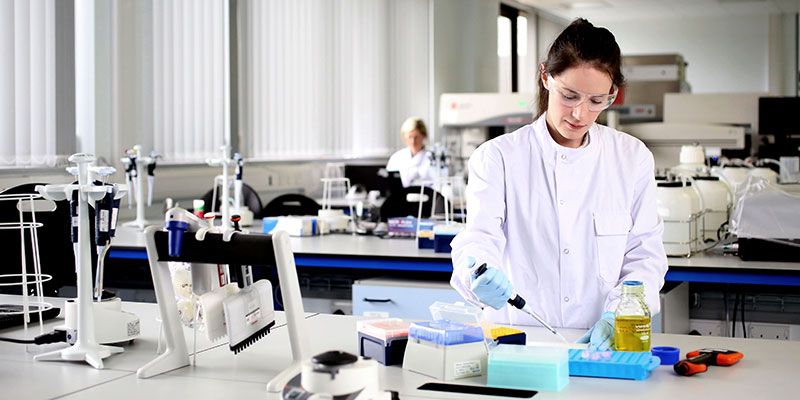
612	364
445	333
526	367
441	243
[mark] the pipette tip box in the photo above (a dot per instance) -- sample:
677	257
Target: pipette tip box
612	364
506	335
445	350
528	367
383	340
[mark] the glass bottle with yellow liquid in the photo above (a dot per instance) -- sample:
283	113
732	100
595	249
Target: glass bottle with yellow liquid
632	319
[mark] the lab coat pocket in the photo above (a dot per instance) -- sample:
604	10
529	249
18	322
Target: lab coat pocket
611	234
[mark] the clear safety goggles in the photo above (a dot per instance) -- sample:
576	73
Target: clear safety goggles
573	98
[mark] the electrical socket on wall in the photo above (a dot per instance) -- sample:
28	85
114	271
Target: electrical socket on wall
768	331
707	327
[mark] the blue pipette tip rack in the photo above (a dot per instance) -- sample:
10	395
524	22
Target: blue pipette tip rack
612	364
445	333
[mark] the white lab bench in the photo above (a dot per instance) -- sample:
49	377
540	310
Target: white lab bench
769	369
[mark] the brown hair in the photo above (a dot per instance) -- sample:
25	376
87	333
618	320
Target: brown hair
581	43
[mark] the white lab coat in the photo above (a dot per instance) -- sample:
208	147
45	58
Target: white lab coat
566	225
413	168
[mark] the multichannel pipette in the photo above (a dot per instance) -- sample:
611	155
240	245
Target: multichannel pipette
518	302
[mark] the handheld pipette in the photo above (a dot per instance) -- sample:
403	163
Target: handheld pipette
518	302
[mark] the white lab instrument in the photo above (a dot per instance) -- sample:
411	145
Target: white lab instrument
335	375
692	162
467	117
732	175
577	195
681	208
452	346
225	161
112	324
717	199
86	347
135	166
715	121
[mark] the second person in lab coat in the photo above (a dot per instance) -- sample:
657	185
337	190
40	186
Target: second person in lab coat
564	210
414	161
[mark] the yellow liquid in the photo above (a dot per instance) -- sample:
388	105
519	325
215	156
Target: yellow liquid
632	333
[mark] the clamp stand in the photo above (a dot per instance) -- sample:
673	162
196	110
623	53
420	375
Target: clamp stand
86	348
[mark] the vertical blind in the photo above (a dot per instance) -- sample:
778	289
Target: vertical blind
27	83
190	78
317	77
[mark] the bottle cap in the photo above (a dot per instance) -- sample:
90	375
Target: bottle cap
668	355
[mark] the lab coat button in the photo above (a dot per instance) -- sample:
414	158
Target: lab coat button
566	299
561	202
566	251
564	157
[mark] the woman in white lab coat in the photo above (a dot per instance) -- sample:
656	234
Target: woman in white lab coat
413	162
563	211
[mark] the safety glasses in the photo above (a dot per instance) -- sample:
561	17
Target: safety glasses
573	98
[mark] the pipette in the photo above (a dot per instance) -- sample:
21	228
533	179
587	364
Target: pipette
518	302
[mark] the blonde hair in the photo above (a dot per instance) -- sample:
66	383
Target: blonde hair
413	123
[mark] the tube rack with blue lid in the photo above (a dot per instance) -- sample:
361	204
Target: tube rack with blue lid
612	364
445	333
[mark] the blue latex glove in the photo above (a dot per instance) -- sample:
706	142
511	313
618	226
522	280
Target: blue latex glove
492	287
601	336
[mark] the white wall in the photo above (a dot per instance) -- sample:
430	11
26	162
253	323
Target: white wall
465	47
725	54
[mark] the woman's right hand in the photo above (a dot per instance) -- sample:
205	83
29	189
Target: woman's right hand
492	287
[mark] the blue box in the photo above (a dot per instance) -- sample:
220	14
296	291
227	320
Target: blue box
445	333
527	367
441	243
612	364
386	352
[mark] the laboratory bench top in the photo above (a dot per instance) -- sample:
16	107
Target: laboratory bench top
768	370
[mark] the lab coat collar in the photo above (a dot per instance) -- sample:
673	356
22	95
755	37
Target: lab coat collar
553	152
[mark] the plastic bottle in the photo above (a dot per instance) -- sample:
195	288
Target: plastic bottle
632	319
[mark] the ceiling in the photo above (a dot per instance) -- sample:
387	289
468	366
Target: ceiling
620	10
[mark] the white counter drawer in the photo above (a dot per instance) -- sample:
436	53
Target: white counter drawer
400	298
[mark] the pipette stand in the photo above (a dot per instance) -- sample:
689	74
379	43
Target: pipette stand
225	161
138	188
86	347
241	249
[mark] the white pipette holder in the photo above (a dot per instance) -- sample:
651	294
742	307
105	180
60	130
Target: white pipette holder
86	347
138	188
254	249
225	161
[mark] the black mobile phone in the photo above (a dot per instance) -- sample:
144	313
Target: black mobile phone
478	390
